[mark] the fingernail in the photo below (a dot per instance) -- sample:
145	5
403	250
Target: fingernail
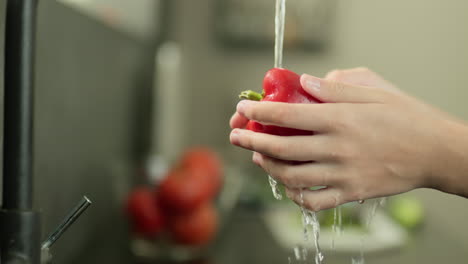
309	82
243	105
257	158
234	137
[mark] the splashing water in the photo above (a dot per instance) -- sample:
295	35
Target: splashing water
340	221
304	253
297	253
370	213
360	259
335	213
337	227
279	37
309	218
275	188
300	253
334	228
316	229
382	201
305	218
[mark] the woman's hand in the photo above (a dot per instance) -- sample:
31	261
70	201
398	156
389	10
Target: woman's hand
359	76
367	142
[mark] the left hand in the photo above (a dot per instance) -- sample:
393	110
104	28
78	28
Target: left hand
368	143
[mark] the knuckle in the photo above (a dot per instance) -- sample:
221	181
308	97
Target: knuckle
354	195
357	193
334	154
336	87
253	141
348	198
331	202
280	149
346	151
335	75
314	206
254	113
273	170
249	142
391	97
339	123
281	114
291	194
326	178
362	69
335	200
343	118
287	176
351	178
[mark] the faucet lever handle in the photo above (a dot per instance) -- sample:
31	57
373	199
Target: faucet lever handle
66	223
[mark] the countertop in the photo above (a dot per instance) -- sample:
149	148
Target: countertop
246	239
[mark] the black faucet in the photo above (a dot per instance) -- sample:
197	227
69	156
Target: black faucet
19	223
20	228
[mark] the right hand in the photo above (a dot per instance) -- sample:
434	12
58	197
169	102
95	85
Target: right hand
441	153
357	76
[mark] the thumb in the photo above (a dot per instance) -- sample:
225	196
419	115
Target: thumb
331	91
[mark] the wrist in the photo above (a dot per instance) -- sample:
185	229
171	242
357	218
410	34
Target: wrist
449	166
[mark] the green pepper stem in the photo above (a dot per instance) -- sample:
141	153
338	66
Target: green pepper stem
251	95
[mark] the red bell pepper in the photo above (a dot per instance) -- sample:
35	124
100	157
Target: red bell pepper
279	85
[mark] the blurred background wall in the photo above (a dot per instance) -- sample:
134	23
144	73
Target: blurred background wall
94	82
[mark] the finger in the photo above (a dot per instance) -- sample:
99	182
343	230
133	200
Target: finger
316	200
310	117
238	121
361	76
294	148
299	175
357	76
339	92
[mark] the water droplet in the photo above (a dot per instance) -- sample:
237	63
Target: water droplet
383	201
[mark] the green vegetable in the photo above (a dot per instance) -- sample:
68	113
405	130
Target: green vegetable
407	211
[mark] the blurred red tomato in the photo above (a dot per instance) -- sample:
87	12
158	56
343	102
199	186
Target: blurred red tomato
205	159
145	212
185	190
196	228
